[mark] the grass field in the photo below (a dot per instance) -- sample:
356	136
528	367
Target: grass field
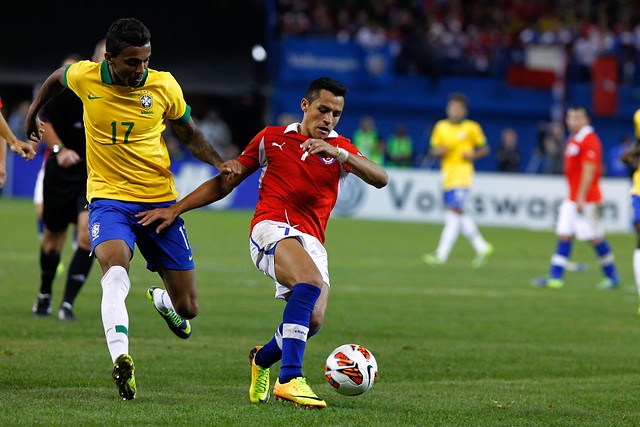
454	345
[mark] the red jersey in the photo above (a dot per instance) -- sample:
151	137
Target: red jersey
295	187
584	146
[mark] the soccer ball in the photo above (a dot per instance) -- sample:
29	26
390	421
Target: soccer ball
351	369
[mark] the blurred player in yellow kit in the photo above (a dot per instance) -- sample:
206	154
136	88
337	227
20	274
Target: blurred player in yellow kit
459	142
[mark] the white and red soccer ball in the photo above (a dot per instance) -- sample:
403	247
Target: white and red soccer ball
351	369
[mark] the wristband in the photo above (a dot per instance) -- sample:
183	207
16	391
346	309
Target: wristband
343	154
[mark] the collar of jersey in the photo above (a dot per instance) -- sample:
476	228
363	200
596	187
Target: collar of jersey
293	127
105	75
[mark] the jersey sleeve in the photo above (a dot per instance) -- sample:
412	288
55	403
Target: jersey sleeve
250	156
636	124
177	110
591	149
479	138
436	135
71	77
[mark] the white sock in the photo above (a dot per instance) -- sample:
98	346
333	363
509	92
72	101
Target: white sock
472	234
449	234
636	268
115	319
162	301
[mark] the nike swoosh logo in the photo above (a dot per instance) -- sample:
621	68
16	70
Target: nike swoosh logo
187	330
305	397
91	98
190	257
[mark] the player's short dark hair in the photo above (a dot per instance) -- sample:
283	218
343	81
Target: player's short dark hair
580	107
459	97
126	32
326	83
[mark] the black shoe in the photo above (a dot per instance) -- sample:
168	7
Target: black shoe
42	306
65	313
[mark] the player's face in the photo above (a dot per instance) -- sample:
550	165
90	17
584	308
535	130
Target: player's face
456	111
576	120
128	68
322	115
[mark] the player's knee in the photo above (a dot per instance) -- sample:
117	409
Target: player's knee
316	320
187	309
314	279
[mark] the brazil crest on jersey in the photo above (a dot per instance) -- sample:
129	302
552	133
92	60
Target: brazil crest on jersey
127	158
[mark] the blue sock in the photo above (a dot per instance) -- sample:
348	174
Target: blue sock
607	262
295	328
271	352
559	259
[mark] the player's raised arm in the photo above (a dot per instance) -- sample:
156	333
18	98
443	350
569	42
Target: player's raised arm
365	169
49	90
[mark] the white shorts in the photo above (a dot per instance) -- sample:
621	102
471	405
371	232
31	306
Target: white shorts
262	243
38	196
585	226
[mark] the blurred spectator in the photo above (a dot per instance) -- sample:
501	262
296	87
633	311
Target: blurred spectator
285	119
615	165
553	144
17	116
470	37
367	140
399	148
218	134
508	153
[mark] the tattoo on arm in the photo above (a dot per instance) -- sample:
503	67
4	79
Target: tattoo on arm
196	143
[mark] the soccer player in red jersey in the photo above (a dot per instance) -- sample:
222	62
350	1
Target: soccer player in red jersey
579	212
302	167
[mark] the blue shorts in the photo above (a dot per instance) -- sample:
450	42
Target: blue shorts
115	220
635	202
456	198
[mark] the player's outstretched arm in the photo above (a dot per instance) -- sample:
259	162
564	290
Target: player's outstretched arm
23	149
208	192
193	138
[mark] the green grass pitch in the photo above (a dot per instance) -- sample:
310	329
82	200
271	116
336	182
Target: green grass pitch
454	345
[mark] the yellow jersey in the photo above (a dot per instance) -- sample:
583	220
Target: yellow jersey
635	188
127	158
457	139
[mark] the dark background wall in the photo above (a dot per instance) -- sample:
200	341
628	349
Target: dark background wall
207	45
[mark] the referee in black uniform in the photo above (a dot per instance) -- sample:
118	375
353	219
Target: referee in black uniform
65	201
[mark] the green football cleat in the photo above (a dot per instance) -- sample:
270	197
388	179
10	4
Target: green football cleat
545	282
259	389
123	375
179	326
298	391
607	284
432	259
481	259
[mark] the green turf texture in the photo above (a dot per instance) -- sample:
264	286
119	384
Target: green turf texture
455	346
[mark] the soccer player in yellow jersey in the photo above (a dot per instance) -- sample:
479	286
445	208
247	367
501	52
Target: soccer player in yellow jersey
127	106
630	157
458	141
